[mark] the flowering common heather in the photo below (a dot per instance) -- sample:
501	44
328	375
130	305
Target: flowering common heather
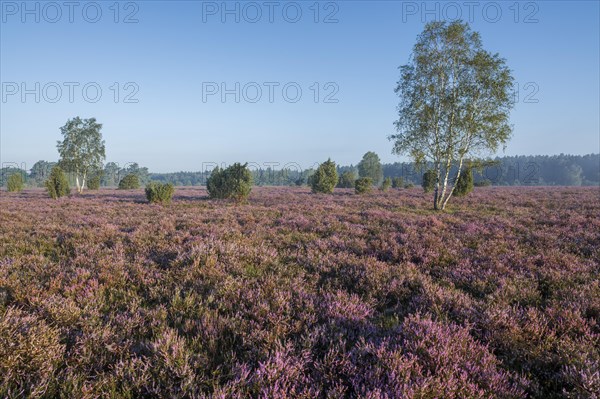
297	295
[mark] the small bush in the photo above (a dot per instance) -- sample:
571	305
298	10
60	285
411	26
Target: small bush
93	183
387	183
15	183
325	178
429	180
160	193
57	184
129	182
363	185
397	182
409	185
347	180
483	183
234	182
464	184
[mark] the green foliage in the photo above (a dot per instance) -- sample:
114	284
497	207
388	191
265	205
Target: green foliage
483	183
94	180
397	182
57	184
82	149
370	166
464	183
387	183
325	178
409	185
15	183
429	180
234	182
455	100
94	183
160	193
129	182
347	179
363	185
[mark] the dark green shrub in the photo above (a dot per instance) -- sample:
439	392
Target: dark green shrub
234	182
15	183
464	184
94	182
397	182
57	184
325	178
409	185
347	179
429	180
483	183
160	193
363	185
387	183
299	181
129	182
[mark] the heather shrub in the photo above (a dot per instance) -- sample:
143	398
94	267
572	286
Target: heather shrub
386	184
325	178
429	180
234	182
94	182
15	183
129	182
363	185
464	184
30	354
160	193
397	182
347	179
299	295
57	184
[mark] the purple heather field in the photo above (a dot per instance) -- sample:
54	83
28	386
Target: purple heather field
300	295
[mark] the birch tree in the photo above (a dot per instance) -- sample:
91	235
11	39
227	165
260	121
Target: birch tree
82	148
455	102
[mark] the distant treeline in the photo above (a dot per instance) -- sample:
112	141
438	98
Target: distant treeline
527	170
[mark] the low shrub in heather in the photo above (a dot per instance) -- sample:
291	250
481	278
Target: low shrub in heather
325	178
347	179
234	182
483	183
57	184
397	182
129	182
464	183
15	183
93	183
386	184
429	181
160	193
364	185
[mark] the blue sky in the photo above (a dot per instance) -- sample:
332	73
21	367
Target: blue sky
171	57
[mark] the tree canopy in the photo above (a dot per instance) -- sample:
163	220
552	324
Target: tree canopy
455	102
82	148
370	166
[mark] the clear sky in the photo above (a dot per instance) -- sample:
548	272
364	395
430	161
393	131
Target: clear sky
161	67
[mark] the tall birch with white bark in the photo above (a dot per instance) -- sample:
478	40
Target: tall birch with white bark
455	102
82	149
